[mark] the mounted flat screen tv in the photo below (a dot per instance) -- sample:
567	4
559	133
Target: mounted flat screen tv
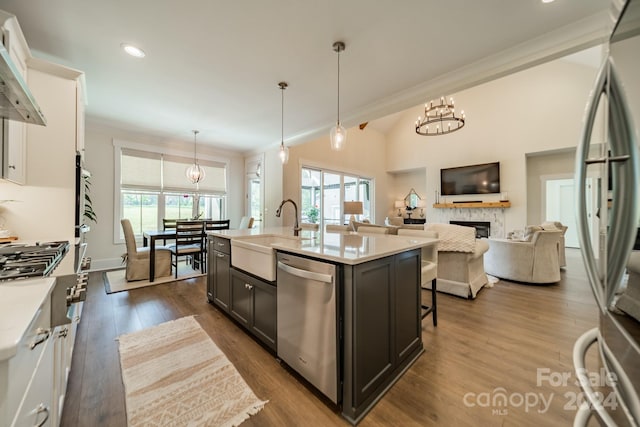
473	179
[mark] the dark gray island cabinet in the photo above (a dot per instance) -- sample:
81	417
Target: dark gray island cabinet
248	299
382	332
378	325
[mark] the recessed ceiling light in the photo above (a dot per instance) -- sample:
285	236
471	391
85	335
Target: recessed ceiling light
547	1
132	50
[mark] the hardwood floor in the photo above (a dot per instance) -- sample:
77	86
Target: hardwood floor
481	348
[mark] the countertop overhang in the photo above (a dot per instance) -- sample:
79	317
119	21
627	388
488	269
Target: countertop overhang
21	300
346	248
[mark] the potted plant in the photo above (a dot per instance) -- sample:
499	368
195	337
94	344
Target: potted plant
312	214
88	213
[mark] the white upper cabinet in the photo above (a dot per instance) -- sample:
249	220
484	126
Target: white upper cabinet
14	133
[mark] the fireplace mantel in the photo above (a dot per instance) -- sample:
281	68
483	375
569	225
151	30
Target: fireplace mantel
472	205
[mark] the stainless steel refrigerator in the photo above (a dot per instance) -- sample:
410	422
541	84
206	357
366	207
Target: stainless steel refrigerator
607	169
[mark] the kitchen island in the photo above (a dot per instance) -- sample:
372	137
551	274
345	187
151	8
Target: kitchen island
375	319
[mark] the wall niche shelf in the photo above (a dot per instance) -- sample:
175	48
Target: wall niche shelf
472	205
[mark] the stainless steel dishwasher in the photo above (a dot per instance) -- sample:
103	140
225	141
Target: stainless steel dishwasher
307	333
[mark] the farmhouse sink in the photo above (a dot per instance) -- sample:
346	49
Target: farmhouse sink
256	255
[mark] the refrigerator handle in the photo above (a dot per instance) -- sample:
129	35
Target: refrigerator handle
623	220
582	160
592	400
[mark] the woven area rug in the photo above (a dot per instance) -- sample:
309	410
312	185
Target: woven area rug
174	375
117	282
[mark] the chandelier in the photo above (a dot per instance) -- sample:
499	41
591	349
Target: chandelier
439	119
195	172
338	133
284	151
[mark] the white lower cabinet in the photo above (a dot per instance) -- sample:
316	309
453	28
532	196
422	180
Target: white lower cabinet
37	406
33	382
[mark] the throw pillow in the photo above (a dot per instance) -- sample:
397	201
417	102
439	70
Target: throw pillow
529	231
454	238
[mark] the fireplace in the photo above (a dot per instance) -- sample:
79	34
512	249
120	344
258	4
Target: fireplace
483	228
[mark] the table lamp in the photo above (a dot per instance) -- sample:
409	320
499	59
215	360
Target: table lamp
353	209
422	204
399	204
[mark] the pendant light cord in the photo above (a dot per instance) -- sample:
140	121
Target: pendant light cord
282	118
338	86
195	136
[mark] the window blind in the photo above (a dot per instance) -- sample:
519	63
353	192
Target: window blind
142	170
175	179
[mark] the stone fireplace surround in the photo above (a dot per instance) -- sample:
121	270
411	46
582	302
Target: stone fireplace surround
495	216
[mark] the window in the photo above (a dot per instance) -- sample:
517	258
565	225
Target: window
141	209
153	186
323	192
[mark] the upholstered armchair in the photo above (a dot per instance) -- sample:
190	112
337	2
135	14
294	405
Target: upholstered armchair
334	228
460	260
556	225
535	259
137	259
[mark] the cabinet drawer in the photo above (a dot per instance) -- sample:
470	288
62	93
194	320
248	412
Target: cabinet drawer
18	370
36	409
222	245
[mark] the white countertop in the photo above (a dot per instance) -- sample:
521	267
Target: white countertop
346	248
19	303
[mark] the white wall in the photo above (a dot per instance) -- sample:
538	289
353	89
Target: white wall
557	164
99	155
364	155
535	110
400	184
45	207
273	185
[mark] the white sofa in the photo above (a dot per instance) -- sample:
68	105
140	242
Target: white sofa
460	260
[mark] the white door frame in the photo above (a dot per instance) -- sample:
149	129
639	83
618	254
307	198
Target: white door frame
254	166
593	224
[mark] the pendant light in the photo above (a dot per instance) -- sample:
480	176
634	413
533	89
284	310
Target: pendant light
284	151
338	133
195	172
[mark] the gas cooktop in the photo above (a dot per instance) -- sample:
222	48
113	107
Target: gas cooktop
18	261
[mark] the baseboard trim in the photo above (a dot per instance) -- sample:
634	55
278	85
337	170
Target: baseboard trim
106	264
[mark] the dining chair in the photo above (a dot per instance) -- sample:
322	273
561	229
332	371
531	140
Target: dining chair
336	228
309	226
137	259
190	241
245	222
168	224
372	230
216	224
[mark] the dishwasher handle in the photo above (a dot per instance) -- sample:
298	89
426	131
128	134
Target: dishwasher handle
312	275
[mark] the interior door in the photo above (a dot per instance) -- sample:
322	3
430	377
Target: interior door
560	206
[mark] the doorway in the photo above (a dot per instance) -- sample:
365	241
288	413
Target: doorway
558	204
254	189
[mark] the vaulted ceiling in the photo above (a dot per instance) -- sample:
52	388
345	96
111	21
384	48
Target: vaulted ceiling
215	65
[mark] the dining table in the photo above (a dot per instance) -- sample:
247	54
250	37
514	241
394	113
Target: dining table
149	239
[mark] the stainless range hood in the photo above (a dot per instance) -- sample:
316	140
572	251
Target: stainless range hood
16	101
